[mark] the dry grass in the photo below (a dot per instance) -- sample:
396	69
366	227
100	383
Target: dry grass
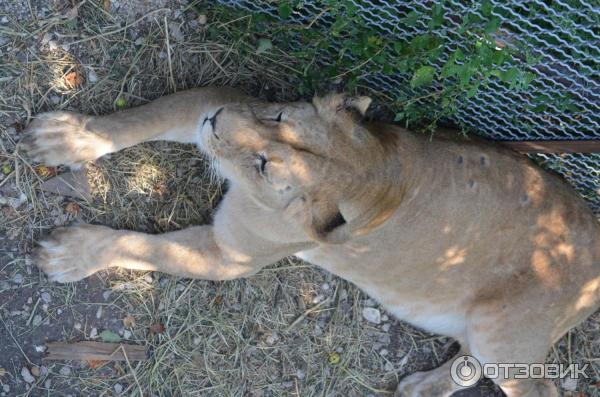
271	335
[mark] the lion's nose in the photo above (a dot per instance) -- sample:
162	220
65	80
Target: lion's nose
213	121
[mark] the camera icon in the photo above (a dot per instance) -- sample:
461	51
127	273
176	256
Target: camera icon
466	371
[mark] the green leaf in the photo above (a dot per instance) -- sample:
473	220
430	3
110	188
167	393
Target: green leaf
486	8
492	25
472	91
437	16
423	75
411	18
284	9
509	75
263	46
109	336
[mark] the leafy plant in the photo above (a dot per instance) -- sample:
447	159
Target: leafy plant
448	58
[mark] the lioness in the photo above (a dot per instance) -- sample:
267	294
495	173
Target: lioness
465	239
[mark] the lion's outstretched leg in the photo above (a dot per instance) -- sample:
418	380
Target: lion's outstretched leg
73	253
70	138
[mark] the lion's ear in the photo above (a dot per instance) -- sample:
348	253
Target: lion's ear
324	222
336	102
360	103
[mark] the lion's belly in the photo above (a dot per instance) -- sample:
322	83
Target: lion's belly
421	308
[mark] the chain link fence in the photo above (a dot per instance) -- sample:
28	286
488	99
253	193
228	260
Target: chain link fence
563	102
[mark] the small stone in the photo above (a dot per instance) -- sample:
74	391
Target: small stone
18	278
99	313
106	294
372	315
384	352
127	334
389	367
118	388
384	317
385	327
202	19
55	99
26	374
37	320
325	287
318	299
46	297
197	340
35	371
77	326
94	333
6	388
148	278
180	287
92	76
287	385
48	383
272	339
65	371
53	45
29	300
300	374
59	311
40	348
46	38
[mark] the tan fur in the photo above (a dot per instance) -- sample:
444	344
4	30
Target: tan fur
465	239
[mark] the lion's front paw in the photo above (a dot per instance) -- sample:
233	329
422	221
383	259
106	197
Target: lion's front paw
57	138
72	253
425	384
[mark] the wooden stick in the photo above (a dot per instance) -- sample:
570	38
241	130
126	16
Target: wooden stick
587	146
95	351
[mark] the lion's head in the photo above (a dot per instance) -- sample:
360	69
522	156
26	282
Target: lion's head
315	159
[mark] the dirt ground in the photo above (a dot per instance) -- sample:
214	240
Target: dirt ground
279	333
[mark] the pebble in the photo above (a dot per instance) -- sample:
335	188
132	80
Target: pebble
384	317
40	348
202	19
26	374
372	315
77	326
127	334
48	383
55	99
94	333
118	388
197	340
99	313
180	287
92	76
318	299
272	339
18	278
6	388
389	367
300	374
385	327
37	320
65	371
46	297
148	278
106	294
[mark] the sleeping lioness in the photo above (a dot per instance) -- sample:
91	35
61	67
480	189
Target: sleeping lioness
465	239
